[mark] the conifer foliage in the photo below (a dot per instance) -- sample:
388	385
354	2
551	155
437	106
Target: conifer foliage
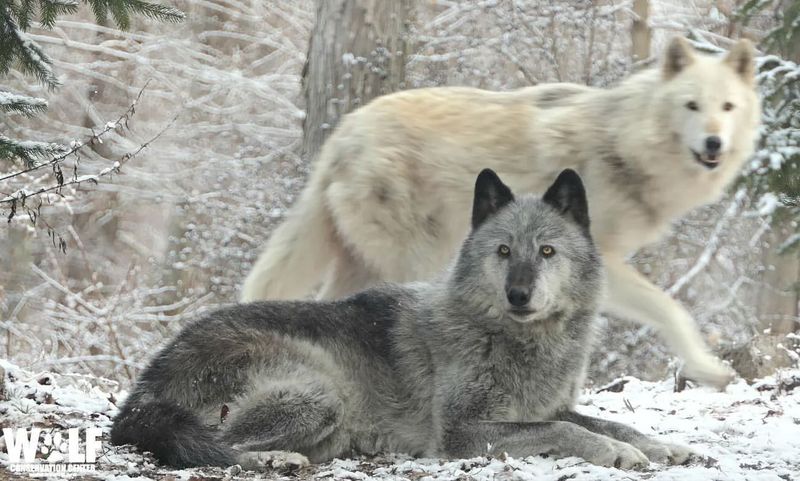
19	51
775	169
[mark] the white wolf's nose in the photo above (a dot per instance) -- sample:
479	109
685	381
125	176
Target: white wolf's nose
713	145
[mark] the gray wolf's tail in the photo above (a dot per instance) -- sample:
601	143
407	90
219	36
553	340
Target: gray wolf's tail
298	252
174	435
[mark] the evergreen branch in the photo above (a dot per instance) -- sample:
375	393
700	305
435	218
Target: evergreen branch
21	104
100	10
9	40
51	9
749	10
25	150
119	11
156	11
24	14
16	17
33	60
76	146
29	56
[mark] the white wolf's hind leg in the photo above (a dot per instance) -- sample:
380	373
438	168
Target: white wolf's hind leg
633	297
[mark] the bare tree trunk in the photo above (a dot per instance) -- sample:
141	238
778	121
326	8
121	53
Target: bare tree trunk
357	52
641	34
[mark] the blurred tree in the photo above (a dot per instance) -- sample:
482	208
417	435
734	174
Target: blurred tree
16	50
784	39
774	173
357	51
641	33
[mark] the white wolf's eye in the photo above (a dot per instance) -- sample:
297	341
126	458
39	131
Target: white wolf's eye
547	251
727	106
504	250
692	105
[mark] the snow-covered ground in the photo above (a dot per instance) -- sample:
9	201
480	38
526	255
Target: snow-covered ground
748	432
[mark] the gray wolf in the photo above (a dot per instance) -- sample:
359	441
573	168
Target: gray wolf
488	358
385	200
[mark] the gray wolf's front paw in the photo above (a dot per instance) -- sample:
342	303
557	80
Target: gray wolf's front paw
280	460
604	451
666	453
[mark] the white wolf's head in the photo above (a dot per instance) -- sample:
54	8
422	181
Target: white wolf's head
713	104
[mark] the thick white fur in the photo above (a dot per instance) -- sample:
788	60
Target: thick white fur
389	192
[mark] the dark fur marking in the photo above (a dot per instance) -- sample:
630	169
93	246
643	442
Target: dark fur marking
678	56
343	320
382	193
631	181
337	161
556	97
548	98
432	226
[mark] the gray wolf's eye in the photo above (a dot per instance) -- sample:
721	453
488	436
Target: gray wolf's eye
504	250
727	106
692	105
547	251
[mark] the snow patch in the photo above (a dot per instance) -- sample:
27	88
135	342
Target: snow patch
746	432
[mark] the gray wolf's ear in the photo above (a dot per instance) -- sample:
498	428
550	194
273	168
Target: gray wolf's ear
491	194
568	196
741	58
679	55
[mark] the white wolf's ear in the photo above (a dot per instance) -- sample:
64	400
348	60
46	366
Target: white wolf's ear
491	194
568	196
741	58
679	55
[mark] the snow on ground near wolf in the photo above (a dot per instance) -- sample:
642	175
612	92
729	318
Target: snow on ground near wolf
748	432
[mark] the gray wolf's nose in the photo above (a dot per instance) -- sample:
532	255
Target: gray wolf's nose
518	297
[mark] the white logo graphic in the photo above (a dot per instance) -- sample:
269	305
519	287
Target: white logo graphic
57	456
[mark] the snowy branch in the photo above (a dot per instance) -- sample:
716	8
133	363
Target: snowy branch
712	243
76	146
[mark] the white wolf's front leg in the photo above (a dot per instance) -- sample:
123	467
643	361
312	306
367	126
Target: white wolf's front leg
633	297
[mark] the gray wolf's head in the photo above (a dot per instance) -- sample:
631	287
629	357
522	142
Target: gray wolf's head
529	260
709	104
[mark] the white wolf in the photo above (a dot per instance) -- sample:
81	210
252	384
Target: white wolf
387	196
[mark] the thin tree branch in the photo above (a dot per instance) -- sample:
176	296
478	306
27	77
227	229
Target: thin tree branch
76	146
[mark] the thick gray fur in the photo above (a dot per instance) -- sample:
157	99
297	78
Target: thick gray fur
449	368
